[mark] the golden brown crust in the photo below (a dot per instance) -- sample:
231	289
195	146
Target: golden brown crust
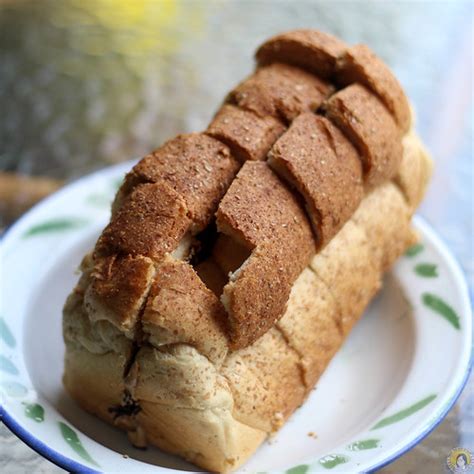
176	189
360	64
151	222
258	207
280	91
180	309
316	158
415	170
257	296
366	122
352	290
263	401
117	289
260	212
248	136
312	50
198	167
230	445
385	218
188	408
95	381
311	325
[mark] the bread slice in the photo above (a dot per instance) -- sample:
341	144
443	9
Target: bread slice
315	51
369	126
280	91
360	64
247	135
316	159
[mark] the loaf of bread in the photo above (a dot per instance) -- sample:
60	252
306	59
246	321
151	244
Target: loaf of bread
255	244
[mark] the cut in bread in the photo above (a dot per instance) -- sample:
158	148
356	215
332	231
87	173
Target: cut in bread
196	166
369	126
316	158
360	64
247	135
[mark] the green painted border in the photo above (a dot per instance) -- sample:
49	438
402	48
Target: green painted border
6	365
364	444
34	411
6	334
13	389
414	250
71	438
406	412
330	461
438	305
301	469
427	270
55	225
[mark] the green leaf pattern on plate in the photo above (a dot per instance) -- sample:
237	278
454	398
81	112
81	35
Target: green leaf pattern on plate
439	306
332	460
34	411
55	225
301	469
6	334
8	366
71	438
414	250
427	270
404	413
13	389
99	200
364	444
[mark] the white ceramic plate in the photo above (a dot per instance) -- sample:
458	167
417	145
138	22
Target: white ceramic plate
393	381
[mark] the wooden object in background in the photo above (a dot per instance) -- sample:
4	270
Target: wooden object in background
18	193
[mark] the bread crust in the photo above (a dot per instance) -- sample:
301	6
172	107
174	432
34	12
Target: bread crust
317	159
360	64
280	91
351	245
151	222
369	126
181	309
315	51
415	170
117	290
247	135
196	166
384	223
260	212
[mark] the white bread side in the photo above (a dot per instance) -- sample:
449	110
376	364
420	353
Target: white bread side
96	359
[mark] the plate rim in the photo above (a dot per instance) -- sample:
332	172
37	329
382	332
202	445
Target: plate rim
42	448
460	275
71	465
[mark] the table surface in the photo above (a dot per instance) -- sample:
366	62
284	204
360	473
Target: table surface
85	84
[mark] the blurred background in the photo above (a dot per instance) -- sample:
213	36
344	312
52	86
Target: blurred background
88	83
